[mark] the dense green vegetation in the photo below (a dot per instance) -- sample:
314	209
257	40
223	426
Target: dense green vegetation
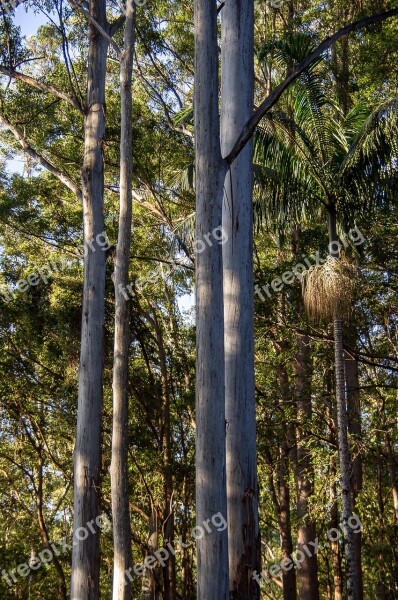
331	139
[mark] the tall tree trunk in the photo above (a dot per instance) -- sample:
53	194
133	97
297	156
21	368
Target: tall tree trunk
342	434
119	463
150	589
169	575
345	462
382	587
288	575
307	575
333	502
188	588
341	55
237	24
87	457
392	469
212	550
354	428
334	545
42	524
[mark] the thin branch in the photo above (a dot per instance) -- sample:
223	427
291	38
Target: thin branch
44	87
273	98
65	51
40	159
164	76
164	261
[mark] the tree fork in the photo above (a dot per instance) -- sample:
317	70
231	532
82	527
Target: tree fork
212	550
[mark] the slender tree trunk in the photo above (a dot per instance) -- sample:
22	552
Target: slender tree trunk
341	55
212	549
169	575
334	546
333	502
43	527
150	589
87	457
119	463
342	434
237	24
392	469
188	588
345	462
354	428
307	575
382	587
288	576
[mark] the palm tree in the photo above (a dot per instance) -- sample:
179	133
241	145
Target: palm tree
310	158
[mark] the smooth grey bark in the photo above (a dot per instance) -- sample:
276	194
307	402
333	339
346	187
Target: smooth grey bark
307	575
237	25
122	556
87	456
212	549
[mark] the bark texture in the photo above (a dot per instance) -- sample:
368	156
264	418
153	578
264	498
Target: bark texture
212	550
122	560
345	461
354	428
288	575
307	575
237	22
87	458
151	587
342	432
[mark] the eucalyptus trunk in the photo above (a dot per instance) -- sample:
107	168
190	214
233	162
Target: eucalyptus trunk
237	24
87	456
212	549
122	557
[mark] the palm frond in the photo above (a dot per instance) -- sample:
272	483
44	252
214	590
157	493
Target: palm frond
369	172
183	236
289	50
184	116
283	182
